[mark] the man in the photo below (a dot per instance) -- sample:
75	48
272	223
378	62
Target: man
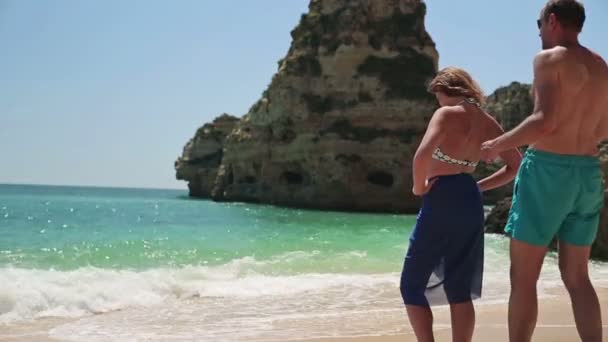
558	189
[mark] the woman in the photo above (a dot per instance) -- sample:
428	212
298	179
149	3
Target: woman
444	261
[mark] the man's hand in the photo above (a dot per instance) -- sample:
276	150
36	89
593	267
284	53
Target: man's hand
420	190
489	151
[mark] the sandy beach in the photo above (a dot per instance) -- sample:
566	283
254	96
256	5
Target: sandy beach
555	323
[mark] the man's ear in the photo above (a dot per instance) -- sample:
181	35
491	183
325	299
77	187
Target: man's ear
552	20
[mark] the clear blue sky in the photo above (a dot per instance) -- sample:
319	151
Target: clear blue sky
108	92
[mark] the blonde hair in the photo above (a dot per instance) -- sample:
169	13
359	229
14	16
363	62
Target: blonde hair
454	81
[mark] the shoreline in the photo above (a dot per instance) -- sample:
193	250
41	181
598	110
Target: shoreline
555	324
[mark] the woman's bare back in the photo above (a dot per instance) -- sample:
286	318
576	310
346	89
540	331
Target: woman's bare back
466	127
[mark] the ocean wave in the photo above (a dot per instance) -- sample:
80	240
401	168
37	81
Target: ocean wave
29	293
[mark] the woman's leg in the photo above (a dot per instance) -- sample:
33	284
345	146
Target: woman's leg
421	320
463	321
423	255
417	269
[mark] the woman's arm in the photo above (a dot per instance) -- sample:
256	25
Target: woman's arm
506	174
433	137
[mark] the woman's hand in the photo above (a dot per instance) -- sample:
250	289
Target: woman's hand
422	189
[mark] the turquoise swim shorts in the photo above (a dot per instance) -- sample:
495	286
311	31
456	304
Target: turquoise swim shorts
556	194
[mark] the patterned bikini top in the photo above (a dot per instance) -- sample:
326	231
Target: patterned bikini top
439	155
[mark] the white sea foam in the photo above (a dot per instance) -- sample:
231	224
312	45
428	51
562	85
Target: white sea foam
229	302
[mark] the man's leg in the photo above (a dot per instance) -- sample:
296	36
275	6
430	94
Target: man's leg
526	263
573	264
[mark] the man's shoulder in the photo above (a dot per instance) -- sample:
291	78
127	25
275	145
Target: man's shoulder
551	56
598	59
594	53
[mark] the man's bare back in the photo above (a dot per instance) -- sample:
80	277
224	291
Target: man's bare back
580	105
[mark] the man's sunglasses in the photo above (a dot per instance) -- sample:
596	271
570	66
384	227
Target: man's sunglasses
539	23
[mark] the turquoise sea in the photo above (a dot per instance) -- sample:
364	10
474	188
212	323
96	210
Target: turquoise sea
142	264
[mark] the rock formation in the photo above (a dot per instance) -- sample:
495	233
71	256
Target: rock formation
203	155
340	121
511	104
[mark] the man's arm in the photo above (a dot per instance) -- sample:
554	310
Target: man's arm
601	132
543	120
512	159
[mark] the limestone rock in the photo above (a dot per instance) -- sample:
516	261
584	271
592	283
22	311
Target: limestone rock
203	154
339	123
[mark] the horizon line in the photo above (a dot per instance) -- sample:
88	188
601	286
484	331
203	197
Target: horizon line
91	186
